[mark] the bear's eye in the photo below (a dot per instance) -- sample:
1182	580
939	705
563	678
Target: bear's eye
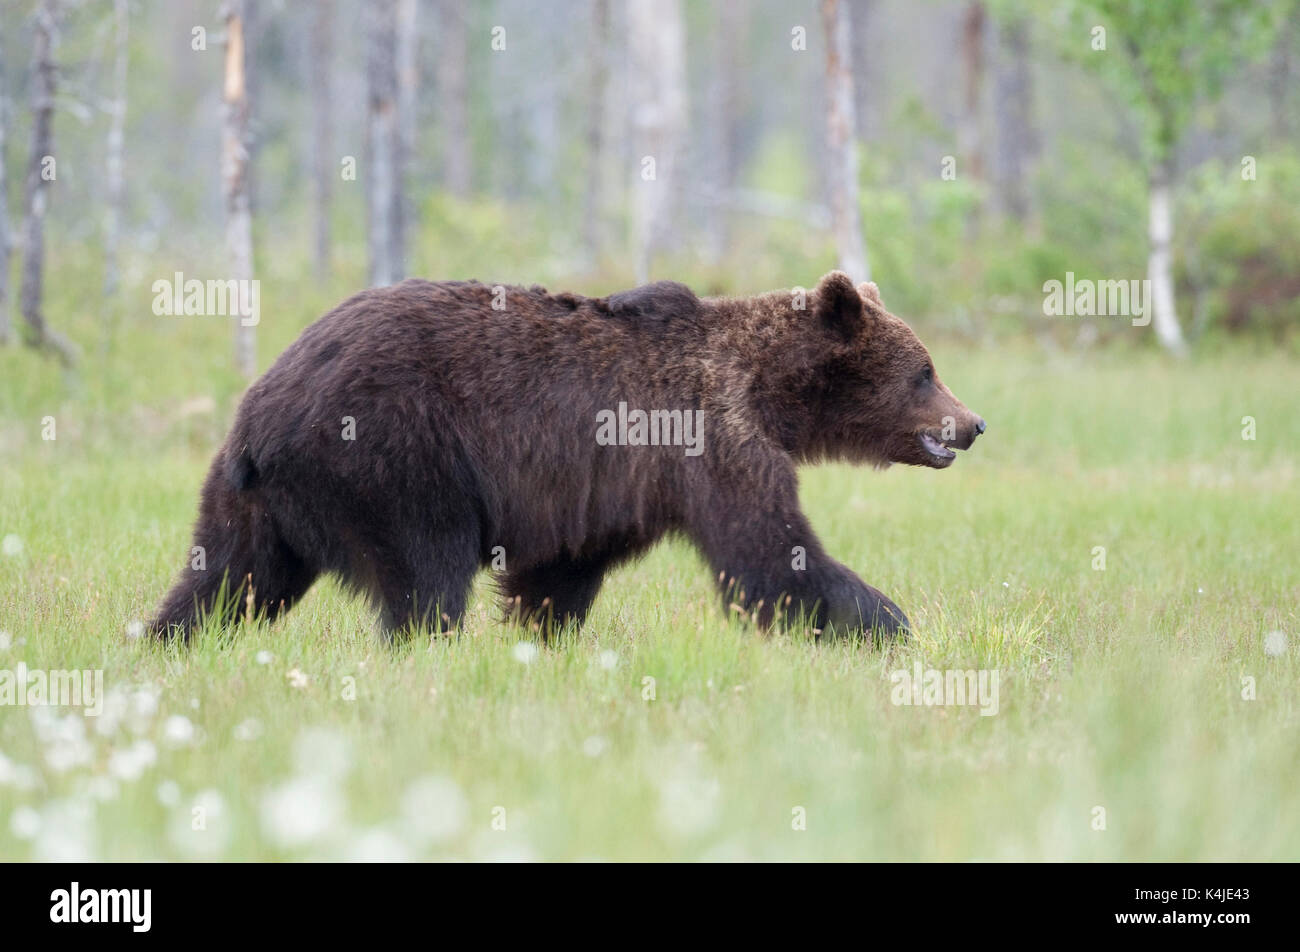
925	376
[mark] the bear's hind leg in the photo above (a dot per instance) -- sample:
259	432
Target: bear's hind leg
426	591
555	593
236	550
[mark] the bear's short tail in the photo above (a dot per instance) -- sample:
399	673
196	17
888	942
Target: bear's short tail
239	566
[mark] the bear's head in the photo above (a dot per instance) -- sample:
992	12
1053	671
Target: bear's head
877	397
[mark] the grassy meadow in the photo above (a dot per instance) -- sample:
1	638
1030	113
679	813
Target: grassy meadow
1120	688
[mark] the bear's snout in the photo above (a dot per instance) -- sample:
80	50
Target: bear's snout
970	433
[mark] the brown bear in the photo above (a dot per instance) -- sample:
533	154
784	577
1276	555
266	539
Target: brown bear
420	432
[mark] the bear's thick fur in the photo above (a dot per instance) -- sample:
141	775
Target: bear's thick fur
418	433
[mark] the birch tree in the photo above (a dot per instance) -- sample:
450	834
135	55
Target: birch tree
729	34
1013	108
408	87
42	170
235	176
321	70
1167	58
971	142
6	330
657	87
841	144
593	231
453	97
114	147
383	145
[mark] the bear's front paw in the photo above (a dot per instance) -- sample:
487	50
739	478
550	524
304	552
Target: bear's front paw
866	611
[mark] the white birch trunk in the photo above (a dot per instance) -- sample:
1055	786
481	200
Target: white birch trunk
235	181
6	330
657	64
114	149
846	217
322	105
383	146
1160	263
31	294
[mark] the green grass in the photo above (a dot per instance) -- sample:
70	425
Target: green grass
1119	689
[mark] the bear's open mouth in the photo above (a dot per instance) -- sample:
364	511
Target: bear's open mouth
939	453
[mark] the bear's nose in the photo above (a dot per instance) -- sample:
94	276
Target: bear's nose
980	426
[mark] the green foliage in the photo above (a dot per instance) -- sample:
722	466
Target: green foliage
1165	57
1241	260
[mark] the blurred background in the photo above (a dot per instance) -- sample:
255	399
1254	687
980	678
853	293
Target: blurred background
961	154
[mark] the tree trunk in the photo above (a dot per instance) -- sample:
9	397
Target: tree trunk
453	95
729	41
40	334
593	218
408	86
657	60
322	133
1160	264
235	178
972	57
6	331
863	15
846	217
383	146
250	19
114	149
1013	104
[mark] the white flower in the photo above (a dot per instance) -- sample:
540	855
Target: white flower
24	778
525	652
6	640
144	705
434	808
594	746
378	846
1275	644
609	659
265	657
178	731
24	823
296	678
64	738
301	811
169	793
102	788
250	729
67	832
689	800
12	545
135	629
130	763
321	752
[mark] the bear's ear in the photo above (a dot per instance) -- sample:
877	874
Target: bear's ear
838	307
869	292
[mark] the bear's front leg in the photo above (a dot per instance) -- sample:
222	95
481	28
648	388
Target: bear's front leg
774	567
849	605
